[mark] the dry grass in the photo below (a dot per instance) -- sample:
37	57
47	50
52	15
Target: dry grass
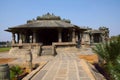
6	60
93	58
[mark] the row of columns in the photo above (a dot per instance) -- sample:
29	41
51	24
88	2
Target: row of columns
91	38
34	37
100	37
60	35
19	37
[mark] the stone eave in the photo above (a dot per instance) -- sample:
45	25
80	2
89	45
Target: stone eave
45	24
80	28
96	31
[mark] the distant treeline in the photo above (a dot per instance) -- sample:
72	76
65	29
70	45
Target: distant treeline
114	37
5	44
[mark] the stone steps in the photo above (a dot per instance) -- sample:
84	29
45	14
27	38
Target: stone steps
46	50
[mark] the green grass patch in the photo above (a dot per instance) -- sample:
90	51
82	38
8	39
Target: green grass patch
4	49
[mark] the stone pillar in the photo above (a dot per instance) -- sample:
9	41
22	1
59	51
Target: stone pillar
92	41
82	40
13	38
103	38
76	37
34	36
73	35
18	37
20	40
31	38
79	39
23	36
100	39
59	35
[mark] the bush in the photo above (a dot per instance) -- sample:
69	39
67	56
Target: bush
15	71
109	54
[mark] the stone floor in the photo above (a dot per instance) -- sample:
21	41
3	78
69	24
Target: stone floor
65	66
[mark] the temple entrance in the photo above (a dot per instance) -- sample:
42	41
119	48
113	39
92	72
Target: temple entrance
47	36
66	35
97	38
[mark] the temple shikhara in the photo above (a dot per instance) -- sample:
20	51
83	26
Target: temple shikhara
46	33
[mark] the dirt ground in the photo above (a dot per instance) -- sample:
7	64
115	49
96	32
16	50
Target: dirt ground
6	60
93	58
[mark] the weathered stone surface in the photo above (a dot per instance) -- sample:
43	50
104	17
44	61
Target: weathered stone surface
60	78
65	66
39	77
21	50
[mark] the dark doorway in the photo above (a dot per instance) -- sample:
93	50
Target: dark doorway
66	35
47	36
97	38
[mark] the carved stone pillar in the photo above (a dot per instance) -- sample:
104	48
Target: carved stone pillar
34	36
20	40
59	35
73	35
13	38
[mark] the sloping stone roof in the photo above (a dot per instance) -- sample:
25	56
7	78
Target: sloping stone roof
45	23
96	31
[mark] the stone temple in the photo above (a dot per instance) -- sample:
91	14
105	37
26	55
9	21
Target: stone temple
48	32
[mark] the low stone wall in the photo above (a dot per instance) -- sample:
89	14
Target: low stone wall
20	50
62	45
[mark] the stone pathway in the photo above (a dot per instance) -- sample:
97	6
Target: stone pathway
65	66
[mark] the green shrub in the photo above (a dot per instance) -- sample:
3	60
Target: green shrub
15	71
109	53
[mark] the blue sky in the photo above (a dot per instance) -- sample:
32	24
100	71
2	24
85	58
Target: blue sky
92	13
